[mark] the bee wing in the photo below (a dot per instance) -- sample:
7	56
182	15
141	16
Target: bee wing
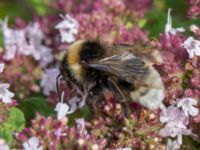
126	67
145	51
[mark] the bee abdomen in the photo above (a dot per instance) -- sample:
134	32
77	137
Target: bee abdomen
152	96
148	97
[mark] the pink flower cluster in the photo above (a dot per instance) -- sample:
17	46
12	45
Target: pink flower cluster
58	135
194	10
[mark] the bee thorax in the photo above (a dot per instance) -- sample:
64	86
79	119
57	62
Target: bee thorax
76	71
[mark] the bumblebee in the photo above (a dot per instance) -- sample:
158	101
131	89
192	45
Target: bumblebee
90	67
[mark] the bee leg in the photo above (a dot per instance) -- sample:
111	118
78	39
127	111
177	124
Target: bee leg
125	109
124	101
91	102
88	96
94	101
112	84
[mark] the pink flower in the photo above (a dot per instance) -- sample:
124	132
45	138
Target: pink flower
195	78
171	43
173	53
194	10
138	7
132	35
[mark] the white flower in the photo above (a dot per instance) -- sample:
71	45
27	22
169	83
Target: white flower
22	45
95	147
194	28
9	40
187	104
176	122
35	34
174	129
75	103
3	145
40	52
35	37
63	109
173	115
67	28
80	122
192	46
26	41
48	81
14	40
5	94
172	145
2	67
81	125
58	133
32	144
126	148
46	56
168	26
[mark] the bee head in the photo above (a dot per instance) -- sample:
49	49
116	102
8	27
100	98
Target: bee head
79	54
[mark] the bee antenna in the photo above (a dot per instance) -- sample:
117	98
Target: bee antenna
57	86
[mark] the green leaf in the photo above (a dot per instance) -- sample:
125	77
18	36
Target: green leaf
15	122
142	23
13	9
84	112
41	7
156	22
35	104
189	143
179	8
1	40
129	25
